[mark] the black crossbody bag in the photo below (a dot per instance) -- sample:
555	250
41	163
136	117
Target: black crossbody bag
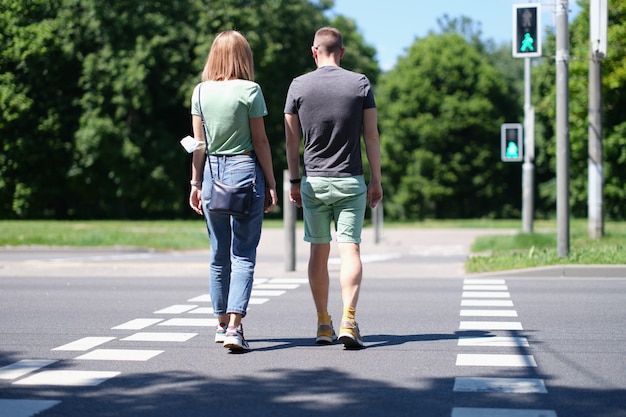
226	199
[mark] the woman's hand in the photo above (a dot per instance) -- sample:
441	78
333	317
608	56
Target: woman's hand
271	199
195	199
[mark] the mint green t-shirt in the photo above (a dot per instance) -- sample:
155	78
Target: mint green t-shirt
228	107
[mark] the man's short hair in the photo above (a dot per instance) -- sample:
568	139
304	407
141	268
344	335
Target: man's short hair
328	40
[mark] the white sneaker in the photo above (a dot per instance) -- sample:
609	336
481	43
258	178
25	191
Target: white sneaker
235	341
220	333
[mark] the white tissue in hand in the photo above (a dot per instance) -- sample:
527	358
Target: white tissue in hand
190	144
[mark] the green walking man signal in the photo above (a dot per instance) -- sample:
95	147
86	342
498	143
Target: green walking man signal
527	43
527	30
511	142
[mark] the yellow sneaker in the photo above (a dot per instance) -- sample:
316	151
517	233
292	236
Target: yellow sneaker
350	336
325	334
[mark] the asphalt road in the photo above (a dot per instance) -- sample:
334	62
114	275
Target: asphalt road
127	332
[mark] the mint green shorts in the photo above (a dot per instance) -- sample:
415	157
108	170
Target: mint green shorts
341	200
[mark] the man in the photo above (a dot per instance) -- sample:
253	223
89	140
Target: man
331	106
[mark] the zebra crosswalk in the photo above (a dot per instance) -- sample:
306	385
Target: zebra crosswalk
51	372
480	352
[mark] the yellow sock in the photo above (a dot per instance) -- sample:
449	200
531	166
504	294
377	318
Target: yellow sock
323	318
348	314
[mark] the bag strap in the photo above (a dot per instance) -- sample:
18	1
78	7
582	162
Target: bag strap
205	132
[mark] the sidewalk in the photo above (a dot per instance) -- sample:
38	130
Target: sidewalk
399	253
412	253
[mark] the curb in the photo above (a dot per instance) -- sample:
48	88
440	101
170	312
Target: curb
562	271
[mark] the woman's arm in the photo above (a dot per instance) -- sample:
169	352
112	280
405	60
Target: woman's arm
197	167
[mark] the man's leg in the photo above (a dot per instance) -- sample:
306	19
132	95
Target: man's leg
318	275
351	273
319	282
350	278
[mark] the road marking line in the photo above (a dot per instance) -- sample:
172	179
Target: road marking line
489	313
266	293
490	325
288	281
159	337
486	294
202	310
508	385
493	341
24	408
276	286
472	281
23	367
500	412
120	355
136	324
68	378
487	303
85	343
518	361
201	299
483	287
258	300
176	309
190	322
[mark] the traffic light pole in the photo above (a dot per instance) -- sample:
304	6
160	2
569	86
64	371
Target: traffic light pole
595	164
528	168
598	33
562	130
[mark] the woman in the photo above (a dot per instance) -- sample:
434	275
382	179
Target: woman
233	108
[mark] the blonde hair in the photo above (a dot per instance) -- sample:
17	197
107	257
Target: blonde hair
329	40
230	58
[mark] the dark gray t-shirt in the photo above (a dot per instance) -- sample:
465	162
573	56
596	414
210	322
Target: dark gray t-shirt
329	103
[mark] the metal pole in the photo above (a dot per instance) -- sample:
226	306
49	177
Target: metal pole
595	162
289	222
377	222
528	169
562	129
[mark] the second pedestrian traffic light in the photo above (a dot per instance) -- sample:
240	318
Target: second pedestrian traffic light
511	142
527	30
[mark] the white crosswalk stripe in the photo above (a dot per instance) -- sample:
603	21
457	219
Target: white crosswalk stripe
119	355
500	412
508	385
25	408
68	378
23	367
86	343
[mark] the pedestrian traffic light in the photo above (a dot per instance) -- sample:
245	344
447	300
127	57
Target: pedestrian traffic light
511	142
527	30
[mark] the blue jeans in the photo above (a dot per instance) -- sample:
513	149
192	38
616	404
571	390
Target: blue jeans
234	239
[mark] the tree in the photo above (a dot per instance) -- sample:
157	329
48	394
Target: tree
441	109
37	112
614	124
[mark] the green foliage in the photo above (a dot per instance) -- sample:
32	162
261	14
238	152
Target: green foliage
613	97
95	95
441	108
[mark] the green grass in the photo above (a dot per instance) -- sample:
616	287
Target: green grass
490	253
529	250
150	234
